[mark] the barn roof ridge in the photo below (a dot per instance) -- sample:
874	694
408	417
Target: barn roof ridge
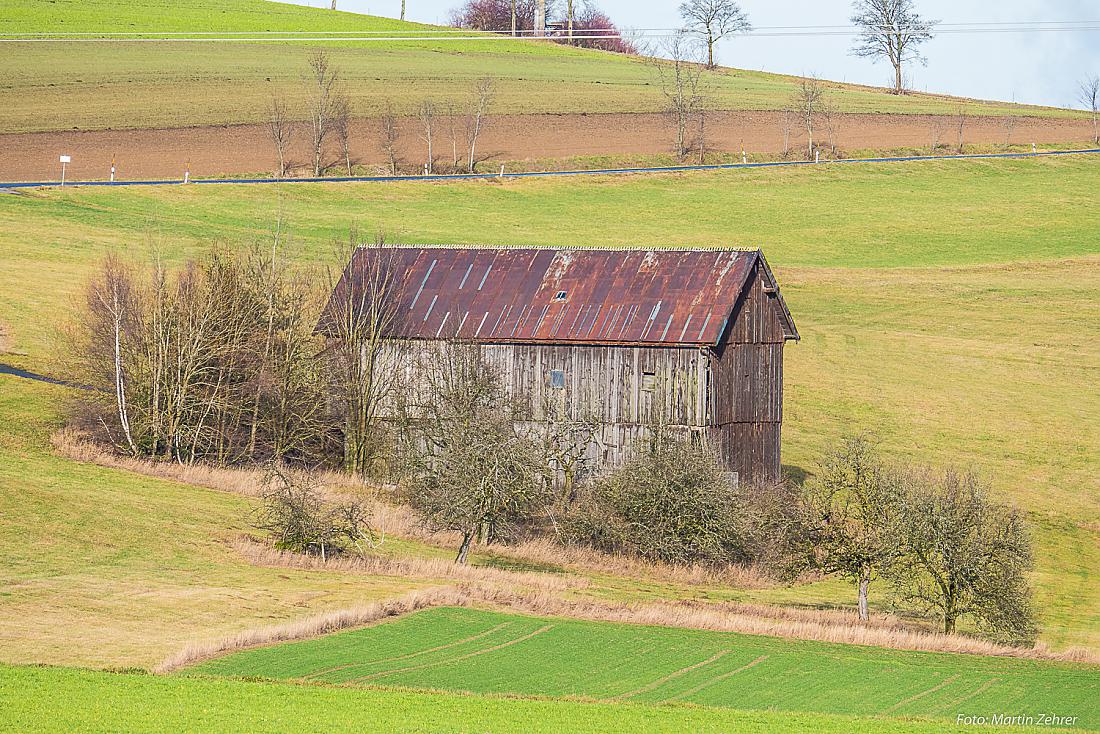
556	248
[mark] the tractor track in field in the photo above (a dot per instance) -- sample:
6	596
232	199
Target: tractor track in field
315	675
448	661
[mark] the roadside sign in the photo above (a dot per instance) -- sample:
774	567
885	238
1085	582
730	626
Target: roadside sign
66	159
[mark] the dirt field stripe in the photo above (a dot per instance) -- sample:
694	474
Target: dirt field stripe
716	679
456	643
671	676
946	682
467	656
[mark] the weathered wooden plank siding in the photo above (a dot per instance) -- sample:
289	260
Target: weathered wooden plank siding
747	400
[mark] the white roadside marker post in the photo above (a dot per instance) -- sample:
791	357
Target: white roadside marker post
65	161
112	169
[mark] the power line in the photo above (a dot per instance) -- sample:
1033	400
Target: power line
467	35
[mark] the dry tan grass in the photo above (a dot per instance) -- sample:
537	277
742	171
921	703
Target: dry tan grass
320	624
5	339
397	520
429	568
501	588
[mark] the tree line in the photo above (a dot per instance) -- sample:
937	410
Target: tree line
324	125
238	359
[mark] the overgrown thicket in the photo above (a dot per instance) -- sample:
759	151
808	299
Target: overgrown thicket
214	362
672	502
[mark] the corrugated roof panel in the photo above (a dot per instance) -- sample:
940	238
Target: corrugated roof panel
573	295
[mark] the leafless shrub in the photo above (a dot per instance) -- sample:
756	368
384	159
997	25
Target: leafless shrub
327	101
680	77
960	127
807	102
938	126
426	114
341	127
282	130
1008	124
481	99
297	518
389	137
672	502
1089	96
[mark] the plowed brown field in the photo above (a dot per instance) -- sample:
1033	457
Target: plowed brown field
241	149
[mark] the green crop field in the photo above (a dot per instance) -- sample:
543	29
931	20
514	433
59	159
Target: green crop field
96	85
140	704
488	652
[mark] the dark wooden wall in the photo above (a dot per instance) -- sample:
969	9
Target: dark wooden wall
747	400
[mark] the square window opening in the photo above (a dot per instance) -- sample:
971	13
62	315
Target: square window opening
557	378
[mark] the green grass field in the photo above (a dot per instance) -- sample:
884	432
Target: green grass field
139	704
944	306
487	652
61	86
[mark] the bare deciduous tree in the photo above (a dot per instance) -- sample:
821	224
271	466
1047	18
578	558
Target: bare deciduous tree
681	81
481	99
1008	123
390	135
467	468
938	124
358	320
1089	96
326	98
786	121
960	128
713	20
891	29
426	114
966	555
341	127
850	517
806	103
281	129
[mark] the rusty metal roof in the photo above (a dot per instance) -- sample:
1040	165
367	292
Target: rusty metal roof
593	296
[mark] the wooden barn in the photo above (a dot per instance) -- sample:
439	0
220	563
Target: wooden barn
693	338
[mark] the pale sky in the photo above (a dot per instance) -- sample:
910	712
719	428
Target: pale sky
1038	67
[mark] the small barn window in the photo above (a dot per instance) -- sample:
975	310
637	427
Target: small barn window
557	378
560	295
649	381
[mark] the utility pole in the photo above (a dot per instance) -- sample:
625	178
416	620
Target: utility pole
402	9
569	6
513	17
334	4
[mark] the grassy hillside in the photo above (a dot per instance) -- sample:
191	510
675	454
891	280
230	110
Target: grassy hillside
943	306
61	86
488	652
141	704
